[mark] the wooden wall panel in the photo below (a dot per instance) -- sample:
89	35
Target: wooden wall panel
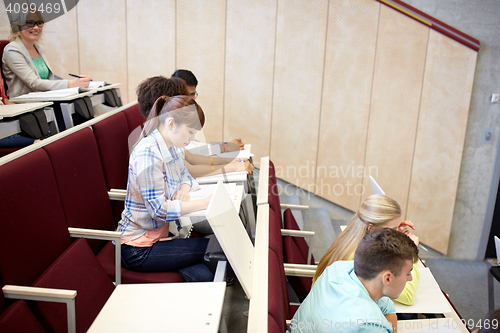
4	22
200	42
60	44
446	93
150	41
249	73
300	48
397	85
348	75
102	40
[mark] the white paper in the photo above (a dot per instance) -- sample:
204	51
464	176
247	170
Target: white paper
206	190
96	84
233	154
60	93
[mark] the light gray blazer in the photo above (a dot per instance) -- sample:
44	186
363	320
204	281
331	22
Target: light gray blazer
21	74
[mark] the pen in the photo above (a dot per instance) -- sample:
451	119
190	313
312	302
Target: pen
423	247
73	75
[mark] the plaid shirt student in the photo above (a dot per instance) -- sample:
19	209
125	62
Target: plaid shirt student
155	174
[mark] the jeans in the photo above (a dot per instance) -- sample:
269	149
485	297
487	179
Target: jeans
182	255
15	140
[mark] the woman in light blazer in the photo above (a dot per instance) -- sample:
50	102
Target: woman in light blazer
24	65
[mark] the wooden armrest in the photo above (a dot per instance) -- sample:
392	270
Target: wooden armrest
299	272
294	207
297	233
116	194
34	293
103	235
46	295
300	266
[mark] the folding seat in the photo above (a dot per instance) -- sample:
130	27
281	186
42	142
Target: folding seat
36	248
80	180
18	318
111	135
296	251
134	117
276	292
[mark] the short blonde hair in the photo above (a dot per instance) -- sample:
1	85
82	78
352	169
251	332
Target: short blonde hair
17	20
376	210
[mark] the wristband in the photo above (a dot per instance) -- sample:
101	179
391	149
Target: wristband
212	163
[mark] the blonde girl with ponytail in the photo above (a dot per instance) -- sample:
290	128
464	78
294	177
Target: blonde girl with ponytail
377	211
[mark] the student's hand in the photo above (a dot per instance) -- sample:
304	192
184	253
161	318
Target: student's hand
413	237
227	147
181	195
403	226
239	165
207	200
238	142
83	81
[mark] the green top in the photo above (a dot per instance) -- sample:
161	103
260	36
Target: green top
41	67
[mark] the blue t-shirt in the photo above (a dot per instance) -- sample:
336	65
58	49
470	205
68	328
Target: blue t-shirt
338	302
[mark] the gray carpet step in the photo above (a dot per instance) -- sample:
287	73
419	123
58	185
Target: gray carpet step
297	214
318	220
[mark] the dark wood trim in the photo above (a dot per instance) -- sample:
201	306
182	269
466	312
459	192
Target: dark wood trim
432	23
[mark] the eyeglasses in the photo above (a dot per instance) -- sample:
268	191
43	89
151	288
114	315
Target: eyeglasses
31	24
194	95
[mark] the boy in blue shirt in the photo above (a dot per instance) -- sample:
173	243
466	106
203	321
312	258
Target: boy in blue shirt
354	296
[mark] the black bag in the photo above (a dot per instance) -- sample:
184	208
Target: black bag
111	98
213	254
84	108
34	125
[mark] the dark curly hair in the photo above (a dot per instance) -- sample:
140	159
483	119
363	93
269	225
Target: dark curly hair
150	89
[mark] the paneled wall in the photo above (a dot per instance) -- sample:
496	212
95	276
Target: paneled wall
331	90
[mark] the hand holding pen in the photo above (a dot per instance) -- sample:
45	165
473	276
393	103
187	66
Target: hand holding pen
79	81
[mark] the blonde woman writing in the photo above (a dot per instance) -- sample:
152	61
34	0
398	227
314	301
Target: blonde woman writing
377	211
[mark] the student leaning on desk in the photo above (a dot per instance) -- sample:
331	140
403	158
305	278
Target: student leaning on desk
154	87
354	296
24	64
157	195
377	211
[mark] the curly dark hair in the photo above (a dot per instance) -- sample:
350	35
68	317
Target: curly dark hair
150	89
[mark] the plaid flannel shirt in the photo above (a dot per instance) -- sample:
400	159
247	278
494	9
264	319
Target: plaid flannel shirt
155	173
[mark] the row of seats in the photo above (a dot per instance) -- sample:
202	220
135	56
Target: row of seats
283	249
65	184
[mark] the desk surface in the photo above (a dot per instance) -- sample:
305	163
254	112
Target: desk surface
155	307
109	86
238	198
17	109
226	178
54	99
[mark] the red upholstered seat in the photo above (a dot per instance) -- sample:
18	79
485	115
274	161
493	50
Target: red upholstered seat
295	255
111	135
80	179
276	244
276	292
76	269
34	231
18	318
272	325
134	117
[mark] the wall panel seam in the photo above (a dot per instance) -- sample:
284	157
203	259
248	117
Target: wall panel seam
371	98
417	125
274	77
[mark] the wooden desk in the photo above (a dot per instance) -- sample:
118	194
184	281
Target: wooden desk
162	307
238	198
52	98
